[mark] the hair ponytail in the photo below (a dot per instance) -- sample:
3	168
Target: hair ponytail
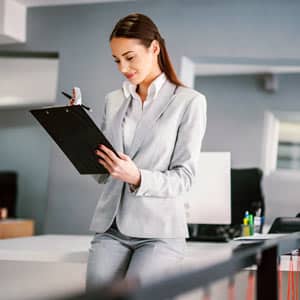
139	26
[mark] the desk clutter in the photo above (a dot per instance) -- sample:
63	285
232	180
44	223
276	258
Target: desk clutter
10	225
12	228
252	224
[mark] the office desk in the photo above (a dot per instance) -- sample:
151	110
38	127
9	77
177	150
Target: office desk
54	265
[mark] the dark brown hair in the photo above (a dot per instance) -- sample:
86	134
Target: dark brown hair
139	26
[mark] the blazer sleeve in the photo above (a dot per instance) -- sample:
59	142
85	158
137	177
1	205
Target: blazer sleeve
184	163
102	178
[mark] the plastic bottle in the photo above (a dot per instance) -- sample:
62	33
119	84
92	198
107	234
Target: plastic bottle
245	227
258	221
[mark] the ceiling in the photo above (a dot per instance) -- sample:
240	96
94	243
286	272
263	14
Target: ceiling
14	14
30	3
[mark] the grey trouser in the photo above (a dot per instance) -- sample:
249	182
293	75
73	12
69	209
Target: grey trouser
114	256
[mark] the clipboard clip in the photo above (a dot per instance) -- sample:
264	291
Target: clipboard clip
70	97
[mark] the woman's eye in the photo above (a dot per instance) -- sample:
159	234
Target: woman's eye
130	58
117	61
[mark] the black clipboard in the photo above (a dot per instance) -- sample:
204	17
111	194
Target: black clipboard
76	134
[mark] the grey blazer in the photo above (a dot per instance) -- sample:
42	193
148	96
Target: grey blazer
165	148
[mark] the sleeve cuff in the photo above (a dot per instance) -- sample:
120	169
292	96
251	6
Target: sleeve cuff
142	189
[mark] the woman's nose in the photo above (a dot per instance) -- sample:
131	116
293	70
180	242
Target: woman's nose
123	67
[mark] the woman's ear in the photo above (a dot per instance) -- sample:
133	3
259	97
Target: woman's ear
155	47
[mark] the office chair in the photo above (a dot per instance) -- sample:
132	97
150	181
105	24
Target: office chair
246	194
298	215
8	192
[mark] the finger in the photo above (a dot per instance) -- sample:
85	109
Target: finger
123	156
110	153
105	165
104	157
112	170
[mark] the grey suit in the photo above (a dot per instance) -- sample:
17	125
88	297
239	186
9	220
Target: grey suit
165	148
148	237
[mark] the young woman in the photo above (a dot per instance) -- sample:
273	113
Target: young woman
156	125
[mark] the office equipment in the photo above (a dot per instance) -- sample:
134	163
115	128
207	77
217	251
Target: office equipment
285	225
76	134
8	192
208	202
216	211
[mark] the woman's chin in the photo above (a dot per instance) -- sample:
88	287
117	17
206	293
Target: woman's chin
134	80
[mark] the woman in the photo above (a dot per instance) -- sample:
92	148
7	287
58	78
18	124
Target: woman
156	125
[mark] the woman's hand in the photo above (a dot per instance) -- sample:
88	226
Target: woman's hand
122	168
72	101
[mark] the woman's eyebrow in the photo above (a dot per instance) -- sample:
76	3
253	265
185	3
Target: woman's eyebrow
123	53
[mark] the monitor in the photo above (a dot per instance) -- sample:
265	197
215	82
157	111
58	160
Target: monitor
209	200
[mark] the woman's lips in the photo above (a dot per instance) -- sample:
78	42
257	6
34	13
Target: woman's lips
129	76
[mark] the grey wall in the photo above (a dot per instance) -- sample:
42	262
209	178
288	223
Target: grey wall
25	148
258	29
236	106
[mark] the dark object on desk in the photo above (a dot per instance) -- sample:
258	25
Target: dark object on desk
246	194
8	192
285	225
213	233
76	134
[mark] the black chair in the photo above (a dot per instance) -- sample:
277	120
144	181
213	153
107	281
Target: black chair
285	225
8	192
246	193
298	215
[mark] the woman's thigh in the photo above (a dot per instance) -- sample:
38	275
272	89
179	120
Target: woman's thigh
154	258
108	260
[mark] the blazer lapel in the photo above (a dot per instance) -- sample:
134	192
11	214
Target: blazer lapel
164	97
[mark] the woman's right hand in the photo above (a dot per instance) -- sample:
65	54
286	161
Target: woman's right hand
72	101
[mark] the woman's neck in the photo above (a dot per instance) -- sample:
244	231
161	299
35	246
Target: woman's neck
142	88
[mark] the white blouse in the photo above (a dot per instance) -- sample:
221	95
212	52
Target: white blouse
137	107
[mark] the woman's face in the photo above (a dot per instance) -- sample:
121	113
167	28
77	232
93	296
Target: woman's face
136	62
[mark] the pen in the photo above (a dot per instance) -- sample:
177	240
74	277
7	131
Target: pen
70	97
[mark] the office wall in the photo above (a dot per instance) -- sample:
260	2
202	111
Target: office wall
258	29
236	106
25	148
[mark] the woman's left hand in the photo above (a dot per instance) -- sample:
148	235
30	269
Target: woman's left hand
122	168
